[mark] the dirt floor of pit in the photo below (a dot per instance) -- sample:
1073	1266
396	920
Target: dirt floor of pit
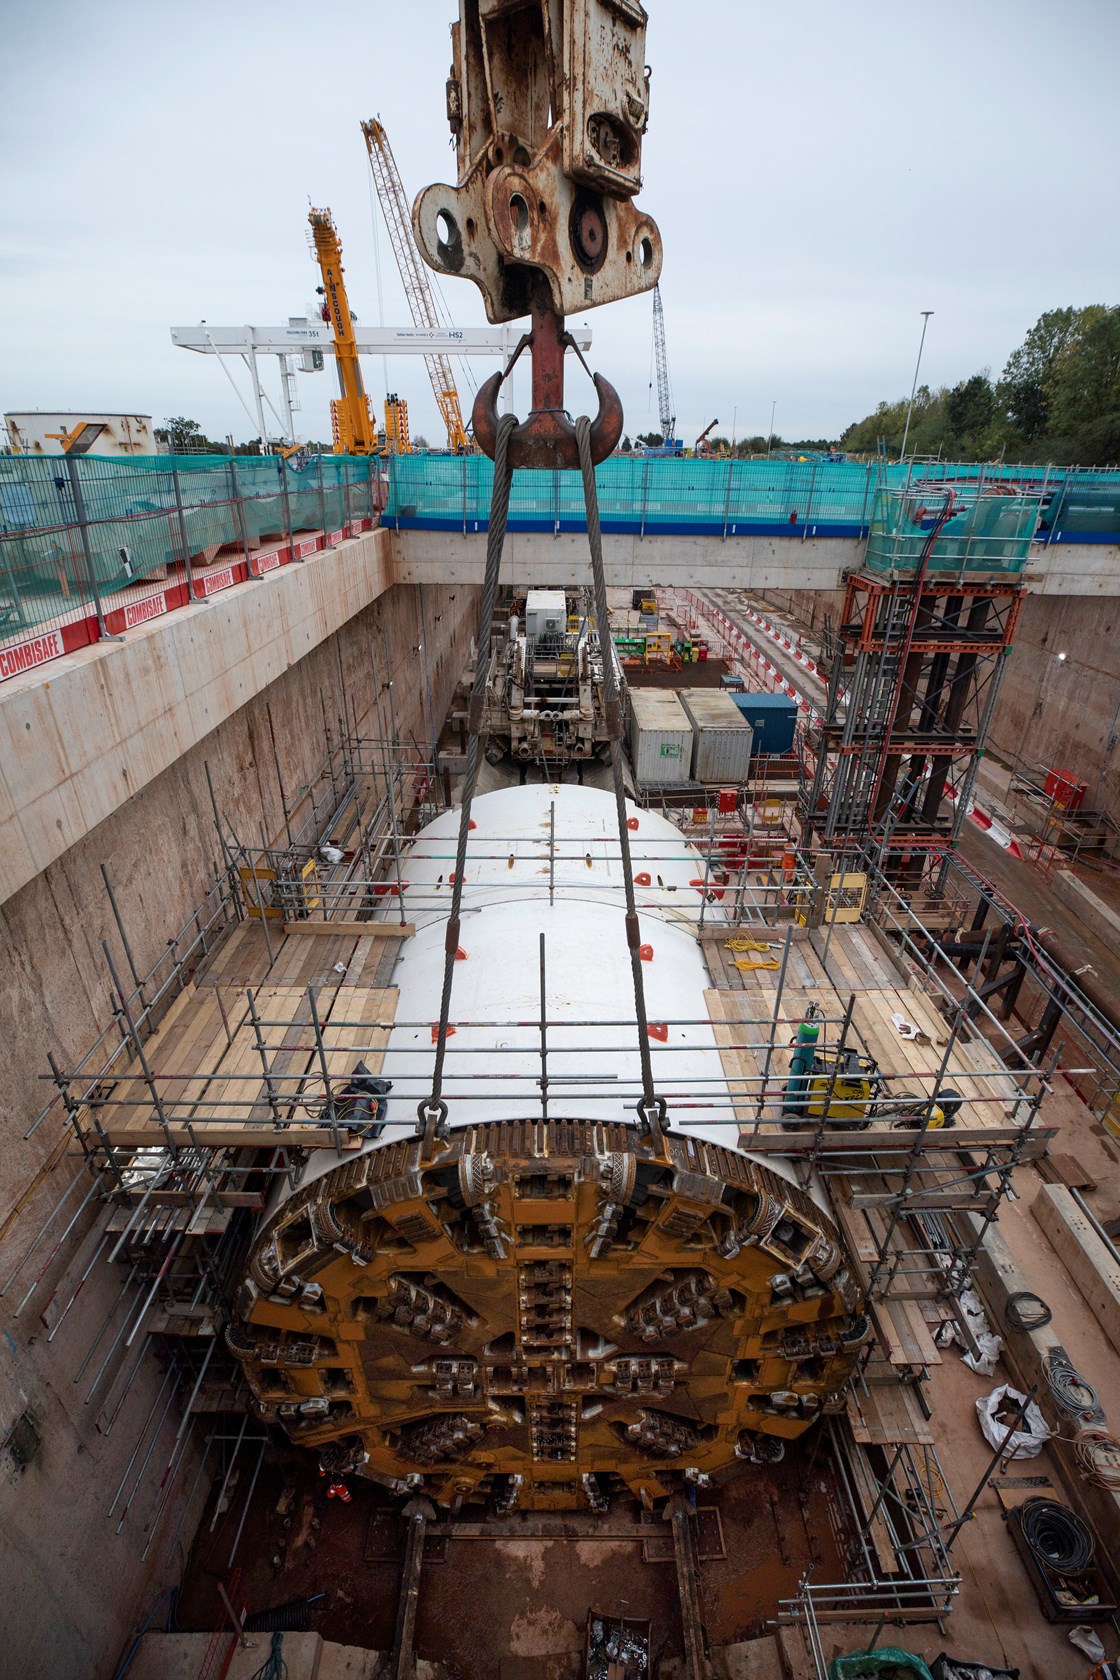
521	1598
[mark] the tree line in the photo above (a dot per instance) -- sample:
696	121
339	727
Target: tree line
1058	399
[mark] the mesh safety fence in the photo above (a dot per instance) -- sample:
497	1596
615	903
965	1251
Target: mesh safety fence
813	498
75	533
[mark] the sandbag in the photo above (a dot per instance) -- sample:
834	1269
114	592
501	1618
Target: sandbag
1031	1435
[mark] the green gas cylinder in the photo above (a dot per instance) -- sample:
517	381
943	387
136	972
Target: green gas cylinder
796	1095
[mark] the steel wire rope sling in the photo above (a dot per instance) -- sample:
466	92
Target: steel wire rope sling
543	221
432	1110
652	1109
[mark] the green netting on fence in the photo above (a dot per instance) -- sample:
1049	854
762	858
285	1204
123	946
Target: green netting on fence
70	529
986	531
652	494
75	529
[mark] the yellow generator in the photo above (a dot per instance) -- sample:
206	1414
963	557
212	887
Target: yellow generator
848	1089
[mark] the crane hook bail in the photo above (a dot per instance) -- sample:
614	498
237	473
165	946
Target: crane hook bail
548	437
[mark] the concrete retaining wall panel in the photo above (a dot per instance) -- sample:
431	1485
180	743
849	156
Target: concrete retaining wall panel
70	1589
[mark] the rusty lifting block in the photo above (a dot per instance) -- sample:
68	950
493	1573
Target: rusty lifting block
548	101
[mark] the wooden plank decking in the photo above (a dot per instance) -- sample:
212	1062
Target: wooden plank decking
742	1005
205	1057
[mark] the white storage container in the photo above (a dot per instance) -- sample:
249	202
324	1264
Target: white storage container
721	751
660	737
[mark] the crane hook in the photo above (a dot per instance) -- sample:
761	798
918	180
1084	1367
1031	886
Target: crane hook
548	437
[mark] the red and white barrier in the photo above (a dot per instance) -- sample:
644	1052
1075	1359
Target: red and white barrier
49	644
67	638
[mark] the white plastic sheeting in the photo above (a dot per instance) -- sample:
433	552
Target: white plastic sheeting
514	823
493	1065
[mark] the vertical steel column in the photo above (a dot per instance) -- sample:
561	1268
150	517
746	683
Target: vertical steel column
544	1032
286	499
184	543
262	1052
231	868
134	1039
248	1502
707	866
87	549
136	980
239	511
321	1053
773	1028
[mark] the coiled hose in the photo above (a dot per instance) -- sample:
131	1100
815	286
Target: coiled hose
1057	1537
1026	1311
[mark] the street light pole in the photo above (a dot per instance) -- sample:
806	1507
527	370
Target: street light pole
926	313
770	439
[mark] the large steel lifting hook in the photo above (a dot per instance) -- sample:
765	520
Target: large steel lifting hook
548	437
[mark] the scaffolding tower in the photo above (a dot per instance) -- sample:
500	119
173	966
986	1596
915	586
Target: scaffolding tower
919	652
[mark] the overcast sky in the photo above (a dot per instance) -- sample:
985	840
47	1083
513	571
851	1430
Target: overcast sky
820	173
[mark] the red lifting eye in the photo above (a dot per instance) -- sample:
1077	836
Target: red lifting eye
646	952
435	1032
631	822
659	1030
460	954
642	880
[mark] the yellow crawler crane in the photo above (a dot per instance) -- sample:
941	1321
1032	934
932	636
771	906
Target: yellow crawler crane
414	276
352	424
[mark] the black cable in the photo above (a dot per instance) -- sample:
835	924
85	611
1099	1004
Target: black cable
650	1105
1057	1537
1026	1311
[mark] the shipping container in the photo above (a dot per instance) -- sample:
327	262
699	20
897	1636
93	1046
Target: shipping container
772	717
721	749
660	737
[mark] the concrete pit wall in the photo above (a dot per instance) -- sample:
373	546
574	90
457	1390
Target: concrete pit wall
70	1589
1065	713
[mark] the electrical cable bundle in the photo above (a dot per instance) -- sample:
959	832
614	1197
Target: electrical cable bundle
274	1667
1098	1457
1026	1311
1072	1394
1057	1537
